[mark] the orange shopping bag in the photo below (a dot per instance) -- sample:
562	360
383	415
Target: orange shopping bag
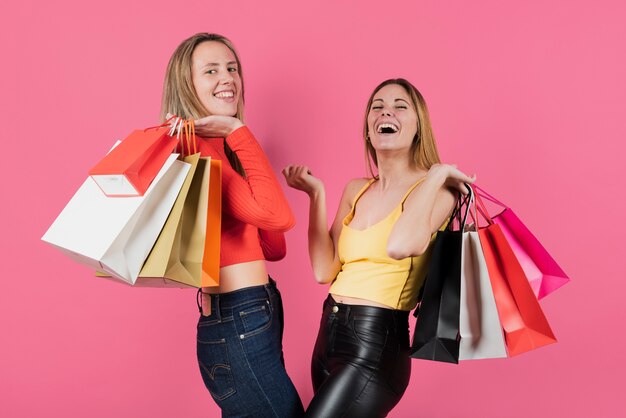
129	168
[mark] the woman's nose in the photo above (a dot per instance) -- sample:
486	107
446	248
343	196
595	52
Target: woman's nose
227	78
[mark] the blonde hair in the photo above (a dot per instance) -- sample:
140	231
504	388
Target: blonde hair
423	147
179	95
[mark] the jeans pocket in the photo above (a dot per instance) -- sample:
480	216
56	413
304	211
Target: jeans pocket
215	368
256	318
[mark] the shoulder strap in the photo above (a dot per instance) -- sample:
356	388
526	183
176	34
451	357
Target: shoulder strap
408	192
361	191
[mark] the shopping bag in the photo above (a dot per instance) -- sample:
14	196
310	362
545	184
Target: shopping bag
436	336
186	254
524	323
129	168
163	266
480	327
116	235
543	273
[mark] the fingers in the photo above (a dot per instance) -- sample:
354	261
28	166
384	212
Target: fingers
457	174
293	170
302	172
287	171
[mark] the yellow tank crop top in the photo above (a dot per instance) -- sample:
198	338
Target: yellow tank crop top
367	272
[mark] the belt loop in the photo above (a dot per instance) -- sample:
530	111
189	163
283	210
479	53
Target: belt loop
348	313
215	304
268	288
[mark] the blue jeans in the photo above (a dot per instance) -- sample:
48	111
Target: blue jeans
240	354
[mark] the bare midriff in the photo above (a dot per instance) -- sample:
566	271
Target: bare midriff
235	277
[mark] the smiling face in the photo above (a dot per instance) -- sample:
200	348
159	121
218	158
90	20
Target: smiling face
216	79
392	119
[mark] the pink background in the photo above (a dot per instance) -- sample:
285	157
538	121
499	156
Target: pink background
529	95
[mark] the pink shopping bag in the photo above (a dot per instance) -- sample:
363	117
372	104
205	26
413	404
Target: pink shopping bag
543	273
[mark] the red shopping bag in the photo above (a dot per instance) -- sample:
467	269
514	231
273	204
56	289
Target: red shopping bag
543	273
129	168
524	323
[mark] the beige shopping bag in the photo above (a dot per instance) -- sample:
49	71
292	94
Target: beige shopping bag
186	254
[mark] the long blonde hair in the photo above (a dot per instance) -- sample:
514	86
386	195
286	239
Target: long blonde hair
423	147
179	95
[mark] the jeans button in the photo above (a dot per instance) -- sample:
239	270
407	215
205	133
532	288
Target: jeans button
335	309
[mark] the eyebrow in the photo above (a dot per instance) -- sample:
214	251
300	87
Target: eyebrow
396	100
215	64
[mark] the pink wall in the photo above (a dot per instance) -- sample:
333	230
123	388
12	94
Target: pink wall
530	95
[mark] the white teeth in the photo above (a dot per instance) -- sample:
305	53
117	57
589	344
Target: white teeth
224	94
391	126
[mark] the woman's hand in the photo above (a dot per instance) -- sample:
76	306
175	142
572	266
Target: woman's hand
299	177
451	177
215	126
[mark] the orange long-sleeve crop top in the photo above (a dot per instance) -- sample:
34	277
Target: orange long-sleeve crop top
255	212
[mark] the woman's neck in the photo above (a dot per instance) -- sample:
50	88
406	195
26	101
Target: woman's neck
396	171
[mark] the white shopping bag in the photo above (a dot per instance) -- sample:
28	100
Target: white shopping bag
116	234
480	327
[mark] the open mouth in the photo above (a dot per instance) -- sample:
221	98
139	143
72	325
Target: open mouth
227	94
387	128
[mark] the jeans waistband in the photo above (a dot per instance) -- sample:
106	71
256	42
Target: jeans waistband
229	300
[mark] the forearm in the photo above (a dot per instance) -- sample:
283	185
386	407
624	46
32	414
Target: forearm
258	199
321	246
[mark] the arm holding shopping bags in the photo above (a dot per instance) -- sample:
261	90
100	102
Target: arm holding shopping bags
256	199
425	210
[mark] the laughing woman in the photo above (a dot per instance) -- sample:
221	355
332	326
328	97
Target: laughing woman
239	342
375	255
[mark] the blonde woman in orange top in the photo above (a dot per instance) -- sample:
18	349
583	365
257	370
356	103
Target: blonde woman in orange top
375	255
239	340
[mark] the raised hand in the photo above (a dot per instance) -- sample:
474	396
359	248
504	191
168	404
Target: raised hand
299	177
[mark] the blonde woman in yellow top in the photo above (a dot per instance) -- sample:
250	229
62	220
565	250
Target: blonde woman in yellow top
375	255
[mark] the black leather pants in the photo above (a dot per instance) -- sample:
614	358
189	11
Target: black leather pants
361	365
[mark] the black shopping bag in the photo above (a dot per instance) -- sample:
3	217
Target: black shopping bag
436	335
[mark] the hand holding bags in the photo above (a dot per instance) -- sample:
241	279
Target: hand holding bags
543	273
494	297
187	252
